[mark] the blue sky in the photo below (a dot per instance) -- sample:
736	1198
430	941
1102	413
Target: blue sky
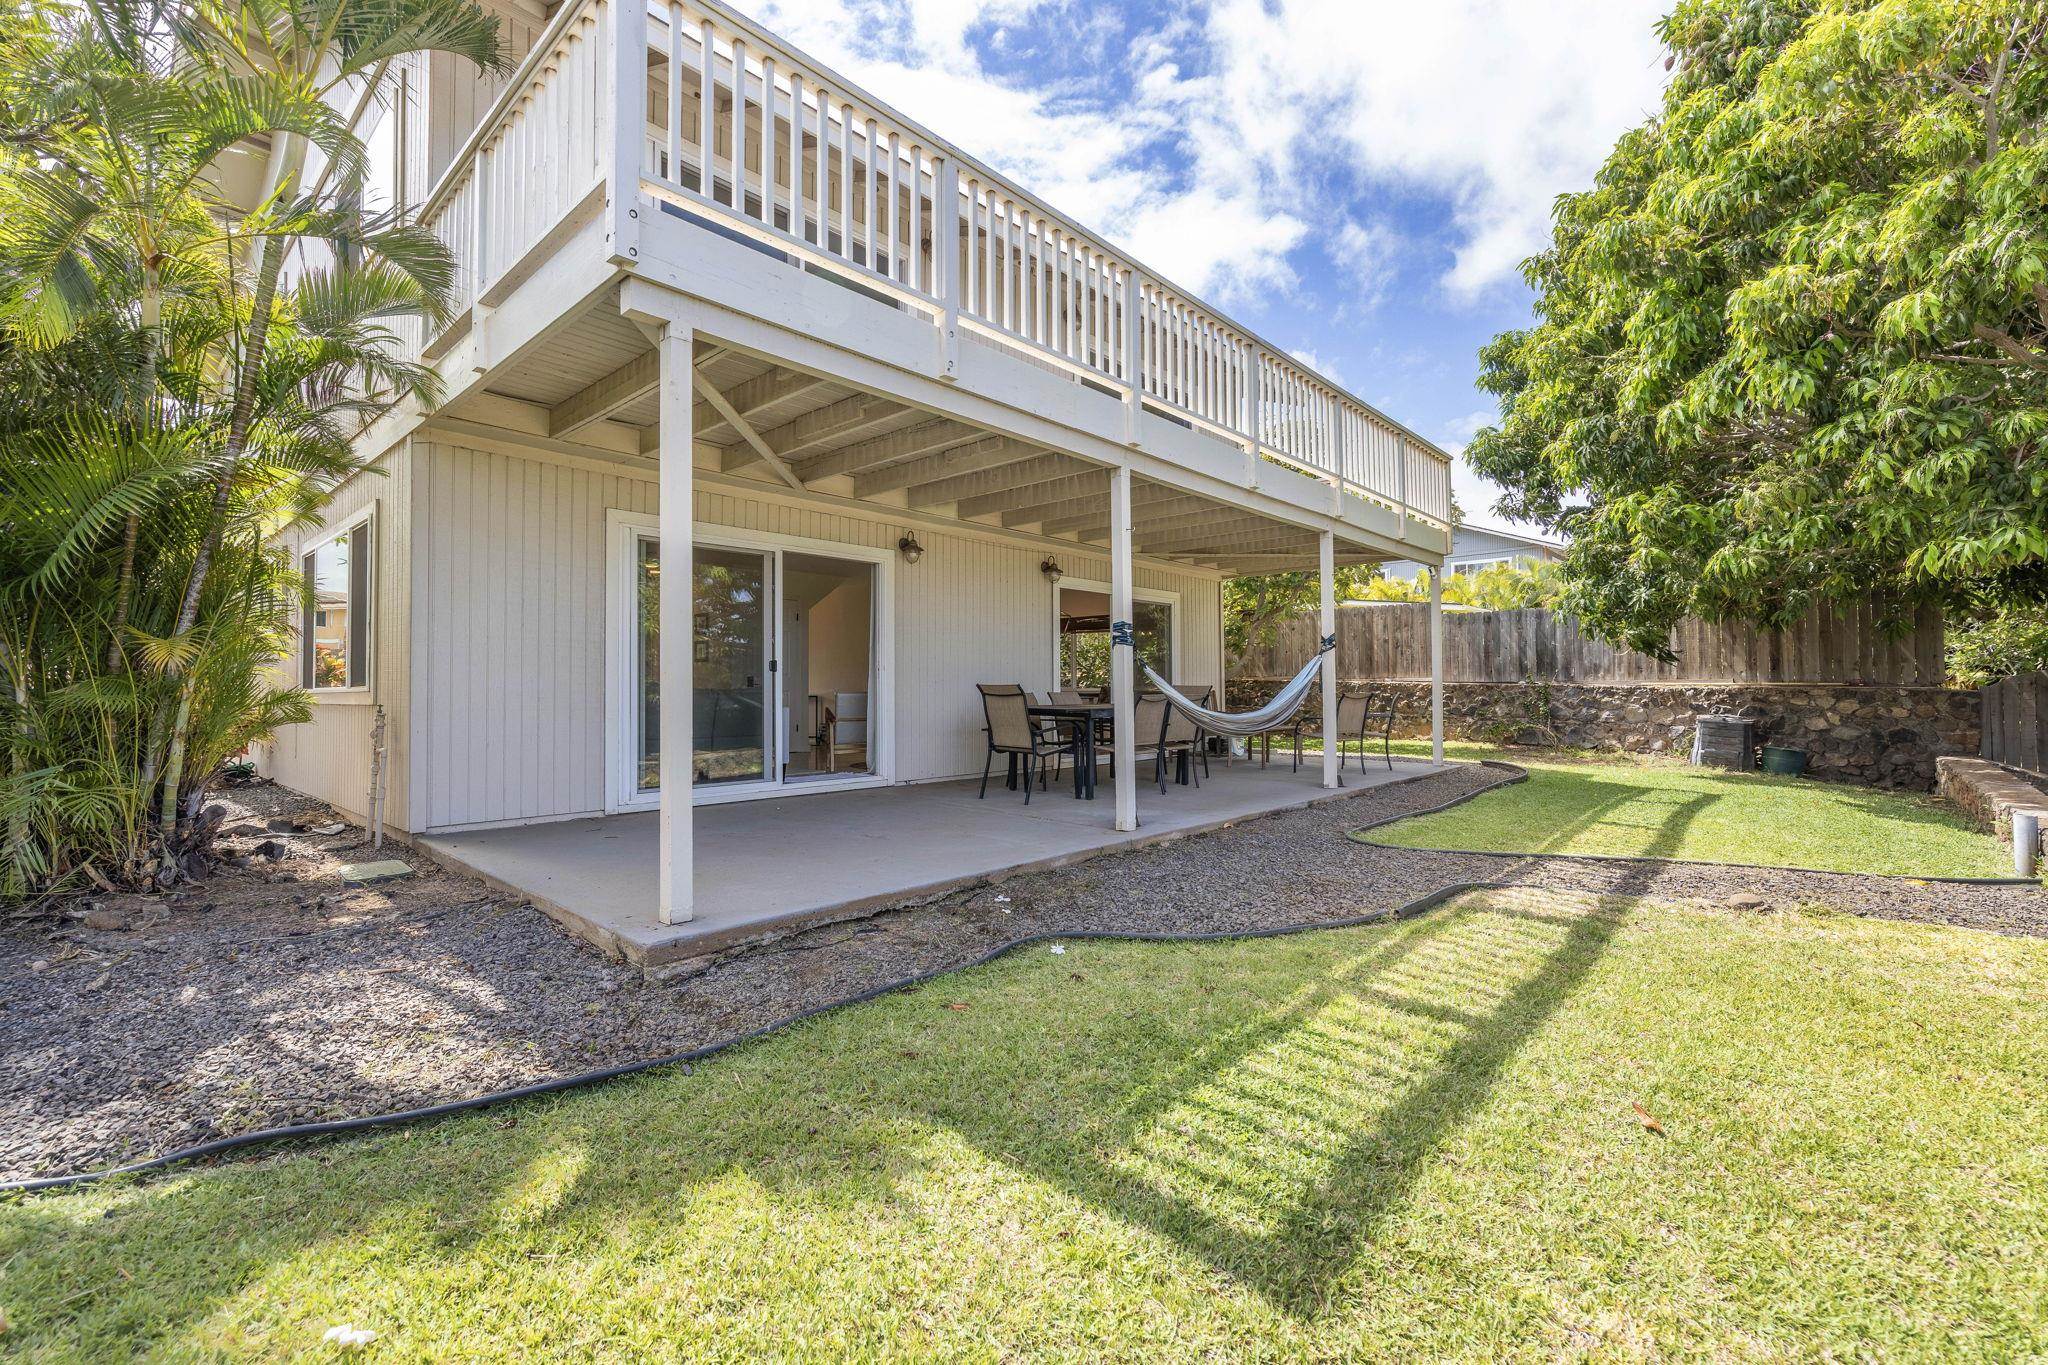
1356	180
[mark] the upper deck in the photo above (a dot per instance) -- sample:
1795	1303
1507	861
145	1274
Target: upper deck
680	146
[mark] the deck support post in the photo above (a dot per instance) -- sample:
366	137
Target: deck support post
1123	652
625	115
676	620
1436	664
1327	576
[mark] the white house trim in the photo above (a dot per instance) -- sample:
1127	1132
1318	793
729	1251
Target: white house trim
364	693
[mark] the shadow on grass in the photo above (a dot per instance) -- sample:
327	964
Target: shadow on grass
1790	821
1554	810
1345	1107
1273	1144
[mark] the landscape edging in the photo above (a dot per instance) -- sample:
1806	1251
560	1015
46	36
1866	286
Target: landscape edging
1512	774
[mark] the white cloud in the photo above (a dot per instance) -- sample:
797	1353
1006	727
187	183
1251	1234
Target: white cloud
1233	132
1463	429
1098	160
1496	104
1365	254
1318	364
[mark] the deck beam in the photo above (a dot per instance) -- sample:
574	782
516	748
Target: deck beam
596	401
1056	488
875	452
990	452
733	419
957	487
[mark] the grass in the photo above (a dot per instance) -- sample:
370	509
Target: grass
1415	1139
1664	808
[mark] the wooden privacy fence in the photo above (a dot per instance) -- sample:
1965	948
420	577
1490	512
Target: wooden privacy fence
1390	640
2016	722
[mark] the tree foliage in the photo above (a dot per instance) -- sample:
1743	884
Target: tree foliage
1793	345
2002	644
1254	607
185	376
1503	587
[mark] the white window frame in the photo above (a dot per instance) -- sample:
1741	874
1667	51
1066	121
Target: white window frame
307	606
1157	596
624	530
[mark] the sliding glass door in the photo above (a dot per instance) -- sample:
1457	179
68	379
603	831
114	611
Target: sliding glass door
784	661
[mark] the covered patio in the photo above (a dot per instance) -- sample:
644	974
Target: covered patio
767	867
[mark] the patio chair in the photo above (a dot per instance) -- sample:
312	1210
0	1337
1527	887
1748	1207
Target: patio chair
1357	718
1264	739
1150	716
1375	720
846	728
1012	732
1066	732
1184	737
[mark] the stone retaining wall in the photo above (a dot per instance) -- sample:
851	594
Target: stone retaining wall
1989	793
1879	736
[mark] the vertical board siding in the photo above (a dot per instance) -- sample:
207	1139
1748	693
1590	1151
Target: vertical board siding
1391	640
329	756
510	633
450	95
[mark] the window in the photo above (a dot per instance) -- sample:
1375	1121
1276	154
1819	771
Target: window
1084	650
334	652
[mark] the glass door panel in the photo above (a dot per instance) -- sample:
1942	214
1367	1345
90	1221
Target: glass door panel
730	665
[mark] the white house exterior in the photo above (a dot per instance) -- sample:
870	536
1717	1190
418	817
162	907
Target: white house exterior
1474	549
843	337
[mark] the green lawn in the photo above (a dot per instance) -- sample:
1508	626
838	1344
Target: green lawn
1388	1142
1666	808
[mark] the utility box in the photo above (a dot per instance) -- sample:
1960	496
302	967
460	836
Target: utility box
1724	742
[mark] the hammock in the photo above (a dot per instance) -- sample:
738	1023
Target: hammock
1276	712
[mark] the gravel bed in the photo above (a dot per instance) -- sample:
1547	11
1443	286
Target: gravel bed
273	995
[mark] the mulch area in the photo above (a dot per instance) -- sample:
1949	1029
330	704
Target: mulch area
274	994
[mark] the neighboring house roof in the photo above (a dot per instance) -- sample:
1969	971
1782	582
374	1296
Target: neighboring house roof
1471	542
1467	532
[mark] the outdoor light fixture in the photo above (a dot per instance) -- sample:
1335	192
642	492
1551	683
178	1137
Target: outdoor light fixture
910	549
1051	569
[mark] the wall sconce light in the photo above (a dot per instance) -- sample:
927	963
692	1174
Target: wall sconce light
1051	570
910	549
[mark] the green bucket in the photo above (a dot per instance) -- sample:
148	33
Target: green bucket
1783	761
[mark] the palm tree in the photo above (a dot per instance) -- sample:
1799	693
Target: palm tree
191	386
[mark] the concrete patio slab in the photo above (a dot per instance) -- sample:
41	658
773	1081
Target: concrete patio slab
768	867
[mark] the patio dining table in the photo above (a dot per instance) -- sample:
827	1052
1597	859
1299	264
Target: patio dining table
1082	716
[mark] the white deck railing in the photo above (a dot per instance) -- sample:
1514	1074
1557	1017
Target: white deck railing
538	153
746	131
